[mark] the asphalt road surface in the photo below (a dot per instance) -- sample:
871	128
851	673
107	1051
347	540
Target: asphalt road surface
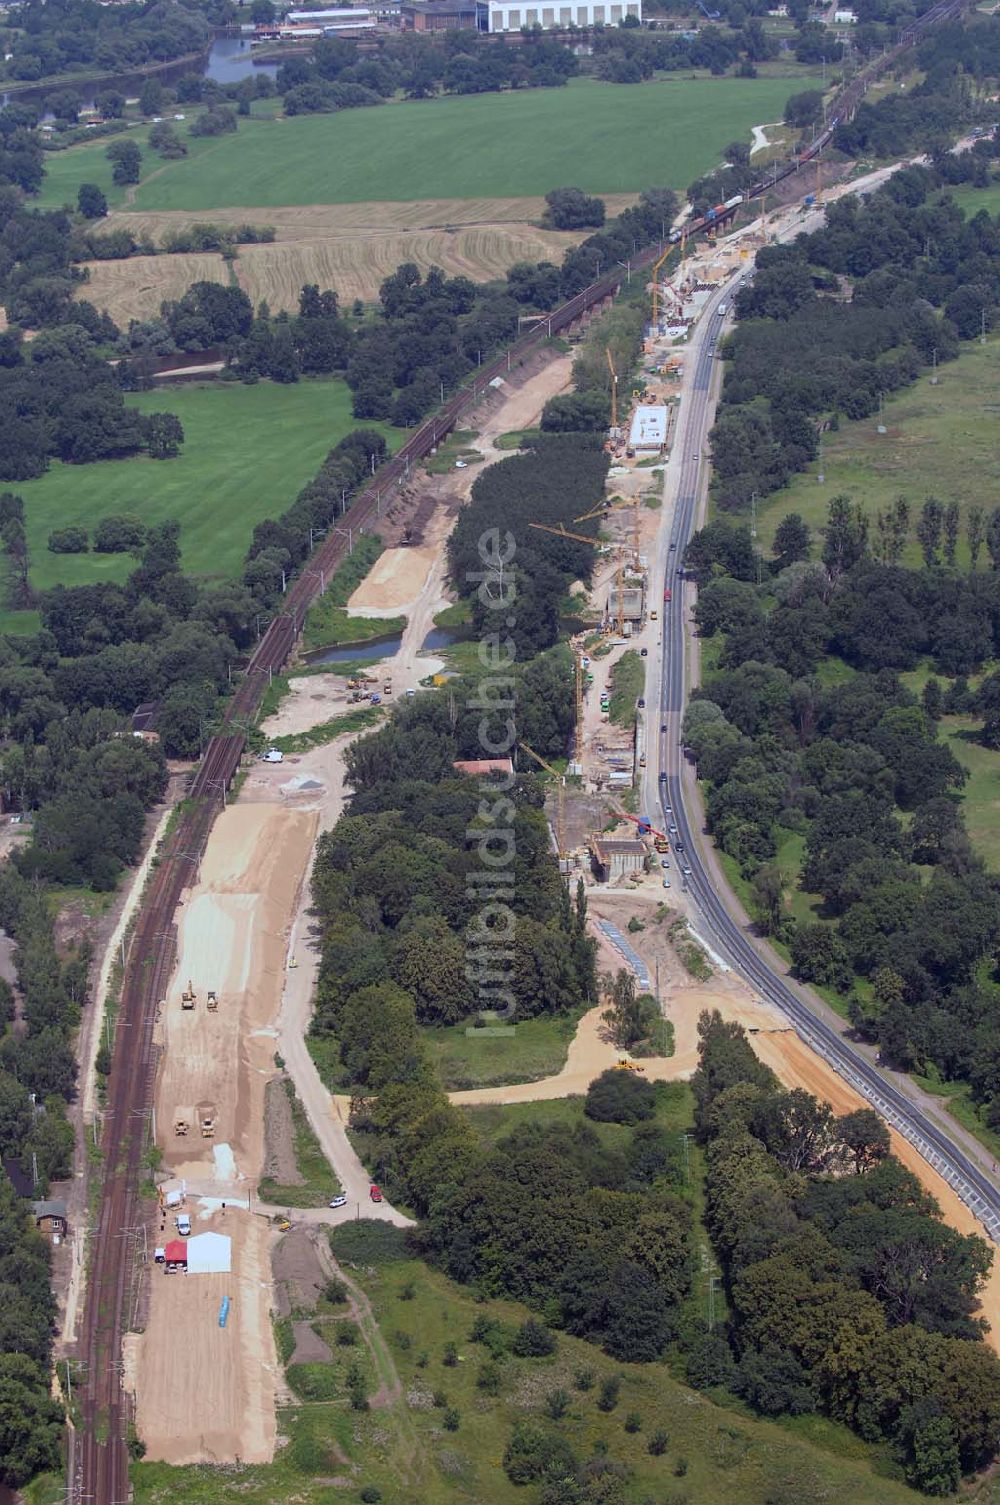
667	793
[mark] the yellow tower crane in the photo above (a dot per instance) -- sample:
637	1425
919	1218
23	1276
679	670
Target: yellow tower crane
606	507
595	543
560	796
614	387
655	288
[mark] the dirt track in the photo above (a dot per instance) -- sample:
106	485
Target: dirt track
231	937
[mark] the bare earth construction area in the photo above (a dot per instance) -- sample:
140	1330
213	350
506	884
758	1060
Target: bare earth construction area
231	937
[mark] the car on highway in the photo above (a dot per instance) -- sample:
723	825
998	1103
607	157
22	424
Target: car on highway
668	809
672	546
663	726
663	777
643	652
374	1193
337	1202
666	883
641	703
666	593
664	861
686	871
678	846
672	829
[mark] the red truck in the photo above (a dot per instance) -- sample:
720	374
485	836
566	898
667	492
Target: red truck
666	593
375	1194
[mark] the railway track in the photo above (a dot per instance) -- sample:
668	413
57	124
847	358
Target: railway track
98	1463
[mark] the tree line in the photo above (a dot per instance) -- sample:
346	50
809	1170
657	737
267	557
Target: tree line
909	917
847	1292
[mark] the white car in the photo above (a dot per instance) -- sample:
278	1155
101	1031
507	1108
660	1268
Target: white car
664	861
273	756
666	883
337	1202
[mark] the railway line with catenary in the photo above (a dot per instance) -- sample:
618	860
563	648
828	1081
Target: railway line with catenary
98	1459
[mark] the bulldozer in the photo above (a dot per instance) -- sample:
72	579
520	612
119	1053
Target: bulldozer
188	996
628	1066
182	1121
206	1120
282	1224
212	1000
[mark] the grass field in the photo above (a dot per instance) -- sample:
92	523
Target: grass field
981	791
941	442
603	137
248	451
973	199
467	1057
713	1456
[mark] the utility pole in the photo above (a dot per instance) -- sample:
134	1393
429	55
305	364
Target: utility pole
934	375
819	474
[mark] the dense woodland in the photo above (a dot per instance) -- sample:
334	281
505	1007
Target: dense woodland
847	1292
909	918
49	37
840	318
551	482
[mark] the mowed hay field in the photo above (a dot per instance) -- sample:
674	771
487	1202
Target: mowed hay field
355	262
602	137
248	451
134	289
940	441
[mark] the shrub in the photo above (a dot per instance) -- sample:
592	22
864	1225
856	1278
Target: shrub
633	1422
533	1341
583	1379
658	1443
620	1097
451	1419
557	1404
449	1357
610	1388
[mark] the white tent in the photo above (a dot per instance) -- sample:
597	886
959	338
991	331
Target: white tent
210	1254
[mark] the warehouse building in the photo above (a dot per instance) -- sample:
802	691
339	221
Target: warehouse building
512	15
439	15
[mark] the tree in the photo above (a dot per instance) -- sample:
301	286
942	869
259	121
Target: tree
804	109
620	1096
845	536
127	160
624	1016
975	531
90	201
767	898
166	141
865	1138
819	955
164	435
792	542
31	1422
572	209
951	518
72	540
929	526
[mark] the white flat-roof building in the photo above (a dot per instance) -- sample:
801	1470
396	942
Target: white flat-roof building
649	428
209	1254
512	15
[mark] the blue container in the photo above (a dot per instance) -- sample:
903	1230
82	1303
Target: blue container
224	1311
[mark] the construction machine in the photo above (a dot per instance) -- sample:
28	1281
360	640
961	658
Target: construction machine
183	1118
188	996
212	1000
206	1120
628	1066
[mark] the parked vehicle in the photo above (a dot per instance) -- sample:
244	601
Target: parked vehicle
337	1202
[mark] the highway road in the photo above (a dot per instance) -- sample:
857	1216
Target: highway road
665	797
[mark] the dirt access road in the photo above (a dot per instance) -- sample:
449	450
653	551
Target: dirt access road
232	933
411	581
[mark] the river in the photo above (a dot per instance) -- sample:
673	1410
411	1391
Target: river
229	59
